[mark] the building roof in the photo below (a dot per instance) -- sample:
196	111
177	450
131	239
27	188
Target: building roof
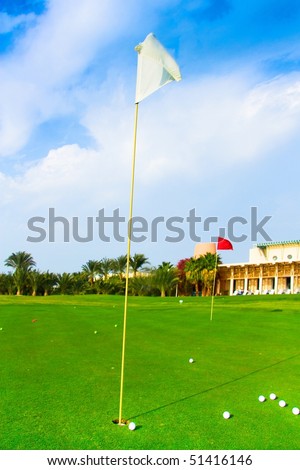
263	245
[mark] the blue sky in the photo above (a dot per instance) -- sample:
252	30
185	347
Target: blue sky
224	139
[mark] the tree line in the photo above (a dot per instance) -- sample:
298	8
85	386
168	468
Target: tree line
191	276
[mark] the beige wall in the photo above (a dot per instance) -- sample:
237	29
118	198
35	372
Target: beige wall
202	248
276	253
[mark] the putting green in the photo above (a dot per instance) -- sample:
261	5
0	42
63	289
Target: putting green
60	381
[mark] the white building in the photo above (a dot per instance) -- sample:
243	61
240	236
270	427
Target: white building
273	268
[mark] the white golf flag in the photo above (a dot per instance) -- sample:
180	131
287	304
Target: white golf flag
155	67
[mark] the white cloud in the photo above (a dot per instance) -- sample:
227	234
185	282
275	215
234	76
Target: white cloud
36	78
178	138
211	122
70	177
223	123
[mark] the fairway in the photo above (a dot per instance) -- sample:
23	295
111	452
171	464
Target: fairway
60	380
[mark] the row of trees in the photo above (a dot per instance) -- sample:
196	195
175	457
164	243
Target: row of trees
107	276
202	272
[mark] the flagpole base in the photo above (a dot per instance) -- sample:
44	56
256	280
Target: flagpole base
123	421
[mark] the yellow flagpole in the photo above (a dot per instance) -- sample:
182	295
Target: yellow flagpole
213	289
128	263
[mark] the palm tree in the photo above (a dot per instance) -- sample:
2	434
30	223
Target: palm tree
202	270
165	276
35	279
22	263
48	281
65	283
113	285
210	260
209	272
7	284
207	278
105	268
91	269
119	265
140	285
3	284
79	283
137	262
193	268
20	260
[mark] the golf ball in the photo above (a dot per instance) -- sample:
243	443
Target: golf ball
180	301
282	403
226	415
191	360
95	332
295	410
273	396
261	398
131	426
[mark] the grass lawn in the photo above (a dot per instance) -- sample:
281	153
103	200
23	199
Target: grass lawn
59	385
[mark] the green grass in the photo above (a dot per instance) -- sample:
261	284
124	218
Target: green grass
59	385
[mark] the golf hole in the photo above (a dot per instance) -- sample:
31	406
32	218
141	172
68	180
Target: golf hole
123	422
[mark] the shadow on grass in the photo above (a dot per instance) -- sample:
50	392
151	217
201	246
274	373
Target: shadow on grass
214	387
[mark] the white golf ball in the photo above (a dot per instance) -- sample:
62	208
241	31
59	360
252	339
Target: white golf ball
261	398
295	410
116	326
131	426
95	332
180	301
226	415
273	396
191	360
282	403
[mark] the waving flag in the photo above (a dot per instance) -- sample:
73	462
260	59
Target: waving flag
155	67
224	244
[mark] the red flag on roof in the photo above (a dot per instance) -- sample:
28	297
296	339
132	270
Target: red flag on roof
224	244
